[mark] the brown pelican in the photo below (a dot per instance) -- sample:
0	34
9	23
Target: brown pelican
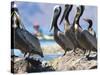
68	28
21	38
60	37
84	38
90	29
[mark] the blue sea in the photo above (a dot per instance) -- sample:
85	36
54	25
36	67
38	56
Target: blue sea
47	42
47	57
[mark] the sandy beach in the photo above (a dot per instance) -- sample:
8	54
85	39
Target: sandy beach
52	49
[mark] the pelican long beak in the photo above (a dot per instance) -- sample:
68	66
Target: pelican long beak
64	14
57	12
53	22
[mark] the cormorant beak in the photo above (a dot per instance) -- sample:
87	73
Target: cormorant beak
64	14
89	21
85	19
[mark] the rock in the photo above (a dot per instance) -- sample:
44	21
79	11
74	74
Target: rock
19	66
72	61
29	65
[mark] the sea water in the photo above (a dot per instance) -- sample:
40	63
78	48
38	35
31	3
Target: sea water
47	57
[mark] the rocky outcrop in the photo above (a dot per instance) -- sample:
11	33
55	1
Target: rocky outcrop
21	65
71	61
74	61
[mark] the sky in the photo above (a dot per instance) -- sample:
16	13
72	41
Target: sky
41	13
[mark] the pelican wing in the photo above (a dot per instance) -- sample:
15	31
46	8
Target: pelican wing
66	40
30	40
19	40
